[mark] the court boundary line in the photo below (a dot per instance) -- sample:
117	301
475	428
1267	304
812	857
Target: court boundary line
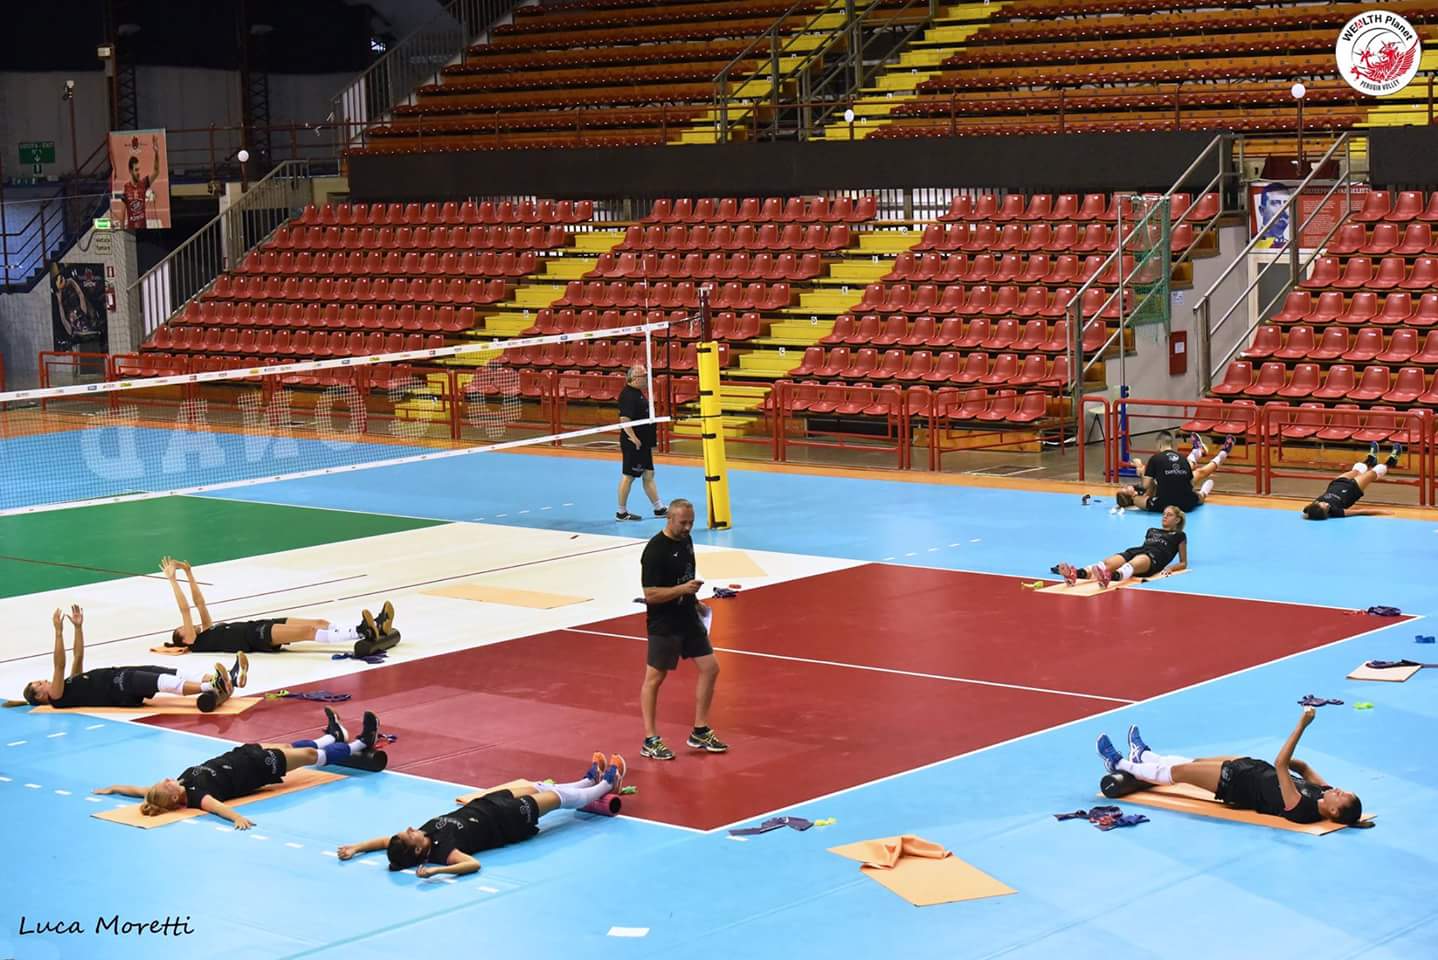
890	670
1061	726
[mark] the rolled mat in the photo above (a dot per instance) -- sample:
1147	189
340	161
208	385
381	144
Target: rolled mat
1120	784
608	805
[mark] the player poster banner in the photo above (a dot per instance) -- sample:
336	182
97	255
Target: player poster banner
77	298
139	180
1273	225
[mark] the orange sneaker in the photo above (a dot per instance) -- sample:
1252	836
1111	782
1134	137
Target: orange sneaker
615	773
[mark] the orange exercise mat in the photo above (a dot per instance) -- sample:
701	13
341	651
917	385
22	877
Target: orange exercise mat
1091	588
301	779
1186	798
1389	674
508	596
161	707
920	871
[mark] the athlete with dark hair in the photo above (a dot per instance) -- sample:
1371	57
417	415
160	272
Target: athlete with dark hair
248	769
372	635
1149	559
1171	480
1348	488
1287	787
124	686
495	818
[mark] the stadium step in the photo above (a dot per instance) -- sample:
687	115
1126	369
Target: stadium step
568	268
734	426
888	241
599	241
858	272
537	296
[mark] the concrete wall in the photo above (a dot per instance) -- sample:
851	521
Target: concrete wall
26	323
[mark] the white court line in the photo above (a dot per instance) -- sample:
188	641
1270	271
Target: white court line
902	673
17	743
93	800
295	846
491	889
52	736
94	726
1003	743
6	780
32	786
63	793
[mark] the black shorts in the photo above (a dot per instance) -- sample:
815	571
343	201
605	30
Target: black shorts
637	460
248	636
514	818
1154	565
1240	783
141	682
665	649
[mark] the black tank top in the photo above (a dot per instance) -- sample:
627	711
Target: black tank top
96	688
232	637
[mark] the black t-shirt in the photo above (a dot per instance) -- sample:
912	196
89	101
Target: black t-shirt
1341	494
633	406
1253	785
238	773
1162	546
1174	476
233	637
668	563
96	688
470	829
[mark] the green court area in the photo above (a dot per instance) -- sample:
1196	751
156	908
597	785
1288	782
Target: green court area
67	548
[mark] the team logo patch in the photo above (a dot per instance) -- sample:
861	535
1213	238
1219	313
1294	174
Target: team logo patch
1378	53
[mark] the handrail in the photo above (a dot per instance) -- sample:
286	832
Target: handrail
417	58
222	242
1202	309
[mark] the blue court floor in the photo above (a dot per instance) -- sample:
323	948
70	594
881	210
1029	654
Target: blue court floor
1177	886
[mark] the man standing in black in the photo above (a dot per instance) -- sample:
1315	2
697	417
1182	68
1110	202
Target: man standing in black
678	627
637	444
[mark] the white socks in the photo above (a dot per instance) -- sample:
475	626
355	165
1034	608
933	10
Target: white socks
572	796
1381	470
346	635
176	684
1219	457
1123	573
1206	488
1153	767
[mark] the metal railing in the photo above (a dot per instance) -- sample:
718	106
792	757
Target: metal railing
222	243
59	219
1292	246
415	60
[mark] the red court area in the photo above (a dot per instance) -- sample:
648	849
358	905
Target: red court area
955	662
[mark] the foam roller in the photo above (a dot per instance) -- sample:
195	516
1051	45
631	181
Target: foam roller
608	805
372	761
1120	784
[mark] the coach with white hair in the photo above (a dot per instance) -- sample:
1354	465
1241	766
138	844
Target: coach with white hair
637	443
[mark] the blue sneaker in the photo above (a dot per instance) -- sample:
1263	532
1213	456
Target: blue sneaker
1111	757
1136	747
597	765
1393	457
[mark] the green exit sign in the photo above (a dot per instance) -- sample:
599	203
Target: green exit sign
37	151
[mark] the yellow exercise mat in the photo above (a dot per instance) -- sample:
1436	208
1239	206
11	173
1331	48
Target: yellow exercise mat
474	795
533	599
301	779
1089	588
920	871
727	565
1186	798
1390	674
160	707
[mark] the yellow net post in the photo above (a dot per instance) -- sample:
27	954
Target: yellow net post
711	413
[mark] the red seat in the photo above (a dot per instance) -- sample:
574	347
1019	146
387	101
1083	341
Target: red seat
1349	240
1269	381
1408	206
1376	206
1297	306
1298	345
1341	424
1236	379
1240	417
920	363
1375	381
1408	387
1325	272
920	333
1267	339
1378	425
975	365
1391	272
1362	309
1329	308
1304	382
1367	345
945	369
1357	271
1033	370
1304	422
1382	241
1397	309
1207	415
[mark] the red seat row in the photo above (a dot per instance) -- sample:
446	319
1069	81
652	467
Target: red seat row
985	299
949	366
1331	307
663	295
1358	272
1069	208
609	354
1012	268
1401	347
1376	383
283	343
605	387
947	403
726	325
364	290
746	236
332	316
715	266
771	210
1040	238
386	239
1416	239
871	330
378	376
1311	421
449	212
1380	207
